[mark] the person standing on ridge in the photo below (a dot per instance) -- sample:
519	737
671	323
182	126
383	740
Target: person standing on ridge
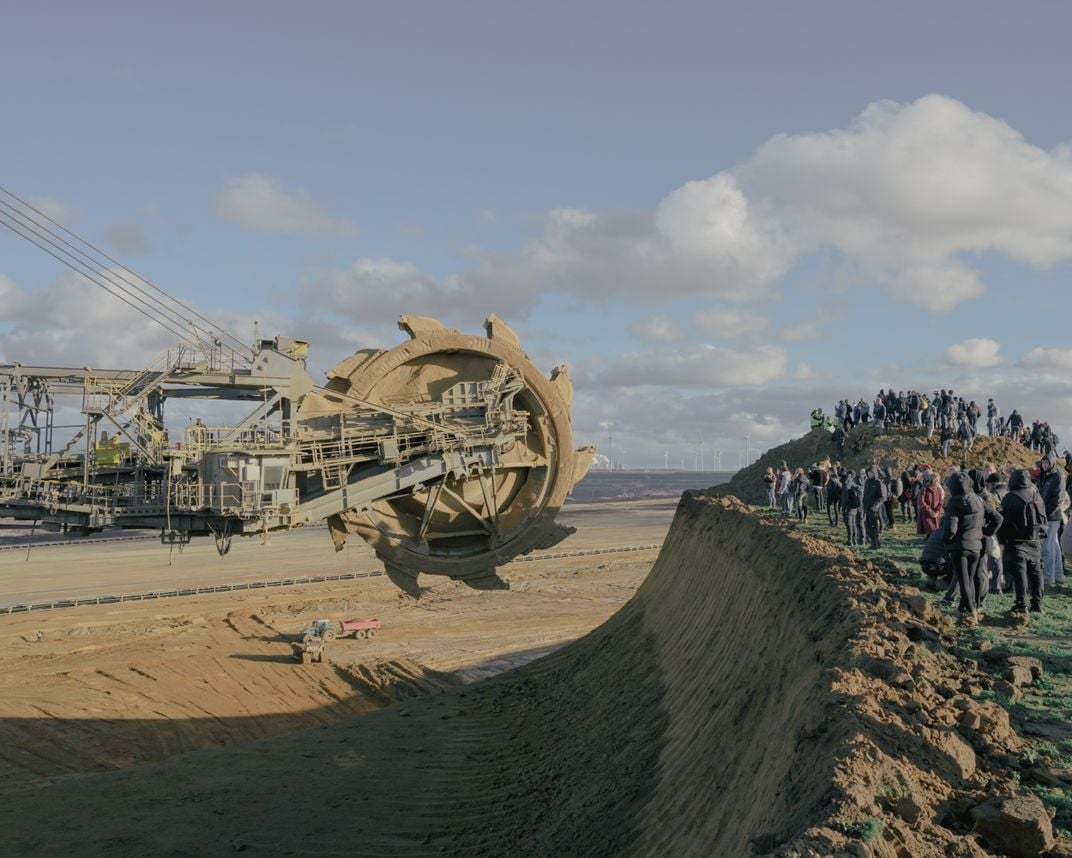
875	494
851	501
768	482
929	514
1051	486
963	536
1024	519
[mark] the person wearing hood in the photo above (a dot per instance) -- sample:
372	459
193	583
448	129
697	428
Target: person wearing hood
929	504
851	501
1051	487
934	560
875	495
1024	519
964	530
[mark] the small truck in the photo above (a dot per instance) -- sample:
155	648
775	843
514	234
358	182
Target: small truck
328	630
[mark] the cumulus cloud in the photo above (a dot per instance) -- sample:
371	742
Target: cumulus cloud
906	195
379	289
803	372
702	366
658	329
1050	359
729	323
72	323
259	203
907	187
976	352
702	239
801	332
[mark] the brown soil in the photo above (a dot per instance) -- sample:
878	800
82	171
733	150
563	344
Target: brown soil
760	693
898	449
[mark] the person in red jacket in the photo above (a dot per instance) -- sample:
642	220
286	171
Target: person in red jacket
930	505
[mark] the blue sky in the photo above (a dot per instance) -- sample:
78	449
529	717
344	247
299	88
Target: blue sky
717	214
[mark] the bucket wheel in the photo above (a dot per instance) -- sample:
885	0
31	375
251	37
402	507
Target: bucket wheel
465	527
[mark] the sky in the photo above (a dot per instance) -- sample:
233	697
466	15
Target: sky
718	215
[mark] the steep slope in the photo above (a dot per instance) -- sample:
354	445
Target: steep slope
898	449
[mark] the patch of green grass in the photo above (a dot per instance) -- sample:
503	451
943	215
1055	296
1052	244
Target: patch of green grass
1060	800
864	829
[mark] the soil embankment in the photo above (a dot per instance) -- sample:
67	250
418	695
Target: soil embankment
760	693
897	448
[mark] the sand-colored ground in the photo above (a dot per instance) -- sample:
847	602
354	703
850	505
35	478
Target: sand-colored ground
102	687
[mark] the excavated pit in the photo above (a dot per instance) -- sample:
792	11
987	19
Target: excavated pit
759	694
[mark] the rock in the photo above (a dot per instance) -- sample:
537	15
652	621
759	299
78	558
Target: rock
1015	825
1008	690
997	655
917	606
988	719
1032	664
1019	675
958	753
910	809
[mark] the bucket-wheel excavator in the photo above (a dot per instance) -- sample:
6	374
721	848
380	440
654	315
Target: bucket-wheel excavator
450	453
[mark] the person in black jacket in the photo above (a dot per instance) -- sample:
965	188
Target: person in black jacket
934	560
964	530
851	500
833	498
875	495
1024	521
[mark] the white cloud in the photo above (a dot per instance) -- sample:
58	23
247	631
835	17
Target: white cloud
1052	359
803	372
257	202
73	323
658	329
907	187
381	289
696	367
906	195
976	352
729	323
801	332
939	288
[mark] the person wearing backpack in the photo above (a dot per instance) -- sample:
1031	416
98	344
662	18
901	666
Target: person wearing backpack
1024	516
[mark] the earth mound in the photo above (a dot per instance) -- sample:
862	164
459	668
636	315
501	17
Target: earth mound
763	692
898	448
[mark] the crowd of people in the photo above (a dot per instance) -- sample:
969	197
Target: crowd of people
984	529
943	411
